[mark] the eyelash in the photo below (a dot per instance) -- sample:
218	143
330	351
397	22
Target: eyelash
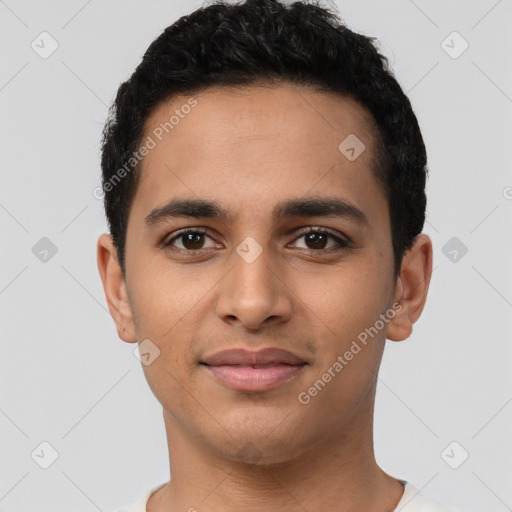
341	243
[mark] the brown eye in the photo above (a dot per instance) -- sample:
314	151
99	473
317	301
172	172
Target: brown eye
317	240
191	240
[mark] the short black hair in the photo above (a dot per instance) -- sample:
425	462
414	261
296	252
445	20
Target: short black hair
258	41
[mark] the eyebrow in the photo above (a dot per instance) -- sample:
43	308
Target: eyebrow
304	207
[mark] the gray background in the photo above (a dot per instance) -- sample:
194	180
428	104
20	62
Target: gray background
67	379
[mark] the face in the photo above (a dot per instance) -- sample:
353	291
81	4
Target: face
301	260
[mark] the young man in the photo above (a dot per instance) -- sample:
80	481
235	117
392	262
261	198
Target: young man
264	180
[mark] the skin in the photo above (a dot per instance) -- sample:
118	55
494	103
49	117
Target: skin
248	149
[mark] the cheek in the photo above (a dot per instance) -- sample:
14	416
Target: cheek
349	304
346	299
166	298
170	388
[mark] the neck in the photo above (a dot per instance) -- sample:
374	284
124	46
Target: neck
337	473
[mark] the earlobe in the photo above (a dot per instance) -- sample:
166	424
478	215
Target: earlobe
114	287
411	288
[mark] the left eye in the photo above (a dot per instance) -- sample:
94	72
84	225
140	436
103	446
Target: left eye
318	238
193	240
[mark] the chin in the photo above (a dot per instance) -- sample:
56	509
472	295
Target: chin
261	454
254	445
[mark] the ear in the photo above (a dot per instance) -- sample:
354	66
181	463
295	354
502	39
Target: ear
411	288
115	288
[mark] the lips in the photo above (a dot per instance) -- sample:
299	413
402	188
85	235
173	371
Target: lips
268	356
243	370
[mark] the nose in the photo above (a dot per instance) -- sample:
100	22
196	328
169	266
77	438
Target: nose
254	293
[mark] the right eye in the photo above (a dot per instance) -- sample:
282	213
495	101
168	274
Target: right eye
192	240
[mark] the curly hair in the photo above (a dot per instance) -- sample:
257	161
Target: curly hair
267	41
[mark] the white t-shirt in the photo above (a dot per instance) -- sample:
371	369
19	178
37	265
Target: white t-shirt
412	501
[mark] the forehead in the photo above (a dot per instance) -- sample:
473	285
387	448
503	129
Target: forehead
251	146
267	110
